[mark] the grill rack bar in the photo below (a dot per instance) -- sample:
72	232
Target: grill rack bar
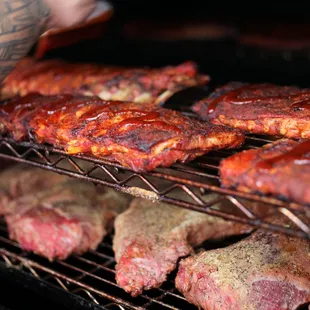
197	179
82	275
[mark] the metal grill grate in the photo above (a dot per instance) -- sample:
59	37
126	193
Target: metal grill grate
90	276
197	179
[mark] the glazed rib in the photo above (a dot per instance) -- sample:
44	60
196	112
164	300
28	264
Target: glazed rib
151	237
266	271
141	138
72	217
17	112
281	168
259	109
143	85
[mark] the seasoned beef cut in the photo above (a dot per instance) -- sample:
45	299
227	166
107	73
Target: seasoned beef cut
22	180
281	168
266	271
69	218
259	109
151	237
53	77
139	137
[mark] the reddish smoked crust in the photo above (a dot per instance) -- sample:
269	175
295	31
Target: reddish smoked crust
143	85
141	138
259	109
281	168
264	271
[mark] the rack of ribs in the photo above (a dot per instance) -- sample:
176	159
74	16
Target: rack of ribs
69	218
259	109
281	168
151	237
138	137
143	85
266	271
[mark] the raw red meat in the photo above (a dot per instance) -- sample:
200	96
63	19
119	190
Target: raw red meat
69	218
266	271
151	237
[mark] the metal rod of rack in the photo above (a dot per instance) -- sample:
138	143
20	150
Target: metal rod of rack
91	276
196	179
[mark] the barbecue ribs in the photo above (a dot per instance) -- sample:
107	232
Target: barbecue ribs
259	109
139	137
266	271
151	237
53	77
280	168
20	180
72	217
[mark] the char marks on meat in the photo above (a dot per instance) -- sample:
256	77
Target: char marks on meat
69	218
139	137
266	271
259	109
281	168
143	85
151	237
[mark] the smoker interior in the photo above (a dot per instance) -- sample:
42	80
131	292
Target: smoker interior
87	282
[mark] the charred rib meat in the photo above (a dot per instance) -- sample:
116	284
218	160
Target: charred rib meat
264	271
16	113
53	77
280	168
259	109
151	237
141	138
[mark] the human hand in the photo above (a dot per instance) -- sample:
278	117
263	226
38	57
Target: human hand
66	13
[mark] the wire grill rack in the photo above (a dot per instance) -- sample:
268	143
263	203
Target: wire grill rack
197	180
90	276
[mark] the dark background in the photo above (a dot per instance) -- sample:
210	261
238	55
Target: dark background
224	59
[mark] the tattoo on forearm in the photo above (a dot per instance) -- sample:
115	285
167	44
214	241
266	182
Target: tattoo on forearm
21	23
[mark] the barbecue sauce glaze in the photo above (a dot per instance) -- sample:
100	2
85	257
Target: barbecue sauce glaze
303	98
297	154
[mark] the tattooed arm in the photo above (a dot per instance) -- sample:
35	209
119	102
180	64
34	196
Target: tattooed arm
21	23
